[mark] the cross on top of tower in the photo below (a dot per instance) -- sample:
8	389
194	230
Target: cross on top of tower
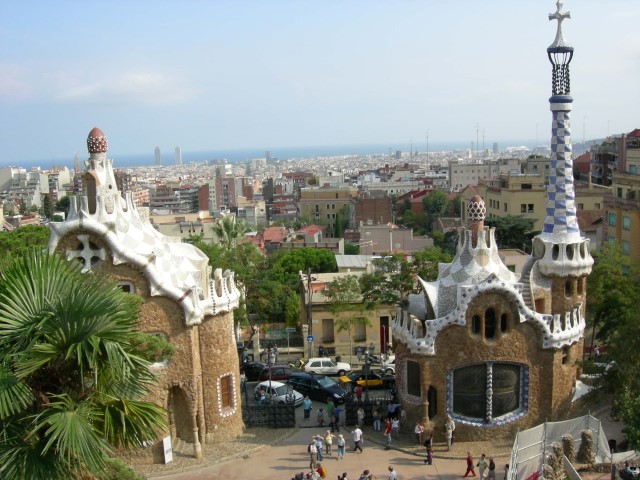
559	15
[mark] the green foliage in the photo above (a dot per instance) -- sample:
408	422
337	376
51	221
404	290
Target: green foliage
152	348
512	231
351	249
63	205
116	469
425	263
21	241
69	380
285	265
229	231
292	310
47	206
436	205
57	218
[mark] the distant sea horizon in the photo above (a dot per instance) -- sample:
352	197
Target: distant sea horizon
125	160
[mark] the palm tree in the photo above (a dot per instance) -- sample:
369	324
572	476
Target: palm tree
229	230
69	382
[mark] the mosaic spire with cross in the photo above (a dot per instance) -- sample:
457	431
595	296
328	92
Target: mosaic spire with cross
559	15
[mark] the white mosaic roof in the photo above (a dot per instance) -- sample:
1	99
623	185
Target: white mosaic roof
174	269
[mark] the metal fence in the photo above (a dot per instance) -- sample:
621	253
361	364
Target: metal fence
271	416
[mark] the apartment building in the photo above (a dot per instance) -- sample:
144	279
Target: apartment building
324	203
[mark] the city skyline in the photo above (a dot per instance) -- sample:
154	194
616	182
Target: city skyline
261	75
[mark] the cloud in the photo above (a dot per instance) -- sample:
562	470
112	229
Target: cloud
133	88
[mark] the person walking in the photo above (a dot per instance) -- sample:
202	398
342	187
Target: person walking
358	437
482	465
470	466
387	433
328	441
321	470
313	454
366	475
492	469
331	407
341	444
343	476
360	414
392	473
449	428
319	439
377	416
306	406
428	444
418	430
395	427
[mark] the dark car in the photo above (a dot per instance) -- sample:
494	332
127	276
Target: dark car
252	370
278	372
318	387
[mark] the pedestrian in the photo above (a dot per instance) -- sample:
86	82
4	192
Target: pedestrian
395	427
418	430
313	454
449	428
358	392
321	417
492	469
392	473
343	476
387	433
470	466
358	438
331	414
306	406
366	475
377	416
506	471
341	444
319	439
336	418
482	465
261	396
321	470
391	409
428	444
328	441
360	414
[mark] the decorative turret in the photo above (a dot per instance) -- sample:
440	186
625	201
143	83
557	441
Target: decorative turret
561	250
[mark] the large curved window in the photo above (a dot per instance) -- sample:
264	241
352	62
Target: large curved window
488	393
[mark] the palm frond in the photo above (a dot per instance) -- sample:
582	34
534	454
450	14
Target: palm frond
15	395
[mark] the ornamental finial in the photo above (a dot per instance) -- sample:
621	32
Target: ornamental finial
559	15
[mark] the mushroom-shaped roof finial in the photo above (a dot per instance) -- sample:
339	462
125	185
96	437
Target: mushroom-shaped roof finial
476	209
96	141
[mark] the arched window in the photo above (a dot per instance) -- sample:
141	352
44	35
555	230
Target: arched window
413	379
476	324
432	396
503	322
126	287
490	323
567	288
488	393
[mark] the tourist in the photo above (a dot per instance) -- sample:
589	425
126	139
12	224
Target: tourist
306	407
366	475
328	441
358	438
391	409
360	414
319	439
341	444
418	430
321	417
377	416
506	471
395	427
343	476
358	392
428	443
387	433
392	473
482	465
321	470
492	469
331	414
470	466
449	428
336	418
313	453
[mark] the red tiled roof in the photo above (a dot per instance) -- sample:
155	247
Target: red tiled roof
635	133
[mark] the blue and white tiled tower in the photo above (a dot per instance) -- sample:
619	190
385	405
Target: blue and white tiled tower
562	252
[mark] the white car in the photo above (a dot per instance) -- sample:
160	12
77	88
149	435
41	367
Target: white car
326	366
388	365
278	392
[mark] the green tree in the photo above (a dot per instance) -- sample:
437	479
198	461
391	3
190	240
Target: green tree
47	206
345	303
436	205
229	231
22	209
69	381
292	310
351	249
63	205
17	243
512	231
285	265
425	263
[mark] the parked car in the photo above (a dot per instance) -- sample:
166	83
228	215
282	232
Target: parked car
278	372
252	370
388	365
278	392
318	387
326	366
370	380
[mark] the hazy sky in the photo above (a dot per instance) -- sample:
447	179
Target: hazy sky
207	75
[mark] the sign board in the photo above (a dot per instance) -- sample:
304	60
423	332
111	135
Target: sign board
168	451
309	338
290	330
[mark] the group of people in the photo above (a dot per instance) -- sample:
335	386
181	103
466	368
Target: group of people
484	464
332	414
320	472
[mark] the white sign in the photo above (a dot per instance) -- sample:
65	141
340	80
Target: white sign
168	451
